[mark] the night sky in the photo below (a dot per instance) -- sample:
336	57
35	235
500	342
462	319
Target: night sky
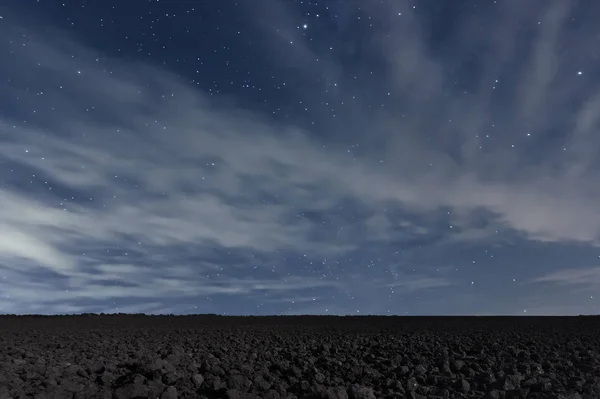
300	157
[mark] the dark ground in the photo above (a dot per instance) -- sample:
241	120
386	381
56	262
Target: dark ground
137	356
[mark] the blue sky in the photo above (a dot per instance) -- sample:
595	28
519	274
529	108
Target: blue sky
300	157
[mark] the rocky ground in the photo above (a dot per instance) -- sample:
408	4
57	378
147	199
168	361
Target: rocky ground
136	356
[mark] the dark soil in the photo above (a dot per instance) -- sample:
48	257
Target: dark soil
137	356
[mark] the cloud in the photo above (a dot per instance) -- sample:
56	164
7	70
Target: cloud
573	276
516	140
126	157
410	285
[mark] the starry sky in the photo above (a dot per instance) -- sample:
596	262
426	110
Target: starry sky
289	157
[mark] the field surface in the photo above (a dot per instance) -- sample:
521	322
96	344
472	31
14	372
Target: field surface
137	356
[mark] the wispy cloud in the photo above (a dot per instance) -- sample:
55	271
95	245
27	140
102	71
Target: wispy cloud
412	284
573	276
